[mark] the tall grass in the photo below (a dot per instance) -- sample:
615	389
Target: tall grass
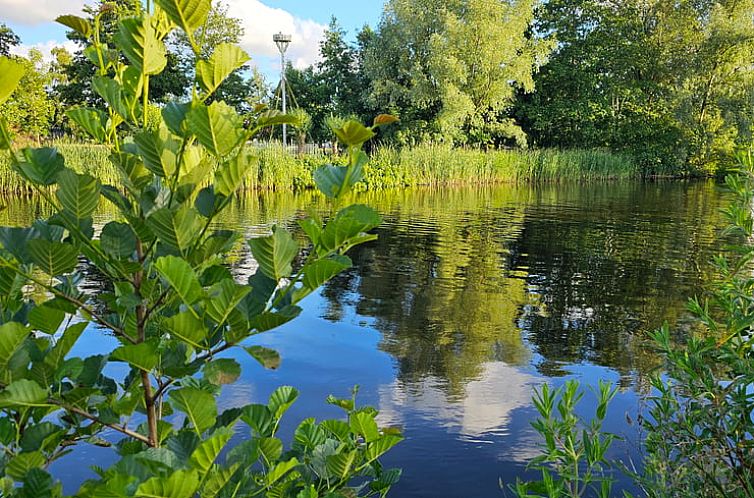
389	167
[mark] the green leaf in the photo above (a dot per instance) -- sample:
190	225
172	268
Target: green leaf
35	436
177	229
118	240
363	423
76	23
79	194
11	72
138	40
46	319
270	319
41	166
230	175
352	221
57	355
335	181
180	484
259	419
5	138
91	120
222	371
281	399
208	450
143	356
386	479
160	150
217	127
111	91
216	480
187	327
226	58
279	470
207	202
12	336
270	449
189	15
199	407
275	253
22	463
53	258
353	133
181	277
322	270
174	115
23	392
340	464
268	358
223	297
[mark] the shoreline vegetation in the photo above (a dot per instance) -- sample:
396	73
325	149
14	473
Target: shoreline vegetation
427	165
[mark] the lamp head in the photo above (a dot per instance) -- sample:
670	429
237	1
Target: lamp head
282	41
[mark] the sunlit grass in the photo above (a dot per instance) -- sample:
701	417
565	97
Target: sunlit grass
389	167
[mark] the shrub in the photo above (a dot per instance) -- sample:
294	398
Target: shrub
169	296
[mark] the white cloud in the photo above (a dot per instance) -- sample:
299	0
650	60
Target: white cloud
44	47
261	21
31	12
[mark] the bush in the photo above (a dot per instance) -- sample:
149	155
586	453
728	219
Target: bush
168	295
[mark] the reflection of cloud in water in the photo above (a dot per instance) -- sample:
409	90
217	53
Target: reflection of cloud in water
239	393
484	411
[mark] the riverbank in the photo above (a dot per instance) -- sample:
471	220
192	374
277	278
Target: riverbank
425	165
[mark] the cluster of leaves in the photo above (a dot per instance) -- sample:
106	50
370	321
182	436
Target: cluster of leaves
169	297
573	462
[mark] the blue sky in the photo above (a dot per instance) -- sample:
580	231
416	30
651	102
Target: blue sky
32	20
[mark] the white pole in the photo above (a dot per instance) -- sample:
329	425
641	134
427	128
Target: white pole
282	89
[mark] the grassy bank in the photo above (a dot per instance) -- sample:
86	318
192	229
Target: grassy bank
389	167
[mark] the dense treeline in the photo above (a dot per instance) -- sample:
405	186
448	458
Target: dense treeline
667	82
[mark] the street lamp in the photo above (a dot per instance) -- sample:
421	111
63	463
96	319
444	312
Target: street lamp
282	41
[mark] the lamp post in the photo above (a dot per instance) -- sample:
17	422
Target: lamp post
282	41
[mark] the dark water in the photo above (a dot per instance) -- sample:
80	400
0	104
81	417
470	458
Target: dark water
469	300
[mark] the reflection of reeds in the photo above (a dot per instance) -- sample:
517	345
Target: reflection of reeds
389	167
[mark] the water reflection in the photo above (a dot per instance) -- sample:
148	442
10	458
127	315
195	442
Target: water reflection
468	300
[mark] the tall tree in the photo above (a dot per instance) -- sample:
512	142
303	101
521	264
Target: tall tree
337	70
451	68
667	81
171	82
31	109
219	28
8	40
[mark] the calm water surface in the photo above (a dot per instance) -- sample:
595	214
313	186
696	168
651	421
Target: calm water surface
469	300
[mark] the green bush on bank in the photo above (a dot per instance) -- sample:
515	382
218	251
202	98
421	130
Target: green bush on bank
422	165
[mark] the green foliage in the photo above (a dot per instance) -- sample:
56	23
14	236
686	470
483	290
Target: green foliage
699	423
668	82
169	299
573	461
273	168
699	432
467	60
31	109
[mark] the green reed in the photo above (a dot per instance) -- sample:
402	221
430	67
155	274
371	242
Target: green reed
390	167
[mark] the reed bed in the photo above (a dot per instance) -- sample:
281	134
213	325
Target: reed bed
389	167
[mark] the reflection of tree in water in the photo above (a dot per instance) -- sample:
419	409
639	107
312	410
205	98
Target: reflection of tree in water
456	276
438	285
616	264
